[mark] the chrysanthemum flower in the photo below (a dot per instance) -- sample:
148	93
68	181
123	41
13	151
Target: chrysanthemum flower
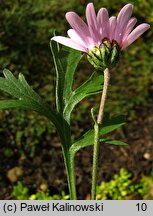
102	37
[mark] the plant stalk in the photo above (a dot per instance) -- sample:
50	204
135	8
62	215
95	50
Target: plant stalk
96	132
69	164
72	177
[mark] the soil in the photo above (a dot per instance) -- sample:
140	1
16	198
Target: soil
47	166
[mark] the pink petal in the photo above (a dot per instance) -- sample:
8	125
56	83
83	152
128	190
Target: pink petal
79	26
69	42
76	38
112	26
92	23
130	26
128	29
103	22
122	20
135	34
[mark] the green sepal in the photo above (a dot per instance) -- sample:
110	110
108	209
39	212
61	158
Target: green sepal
104	56
115	54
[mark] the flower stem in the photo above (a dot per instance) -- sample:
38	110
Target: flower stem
104	95
95	161
96	130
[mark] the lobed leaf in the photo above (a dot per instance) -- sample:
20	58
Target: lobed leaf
27	98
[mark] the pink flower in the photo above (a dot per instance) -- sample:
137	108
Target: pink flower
85	37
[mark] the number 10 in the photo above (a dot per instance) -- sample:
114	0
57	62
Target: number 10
141	206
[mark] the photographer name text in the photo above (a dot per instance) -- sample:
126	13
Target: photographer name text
55	207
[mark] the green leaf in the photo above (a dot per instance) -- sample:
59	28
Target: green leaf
18	88
108	126
27	98
66	61
92	86
86	140
112	124
115	142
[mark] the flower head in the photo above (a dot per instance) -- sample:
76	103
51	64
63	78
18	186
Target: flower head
102	34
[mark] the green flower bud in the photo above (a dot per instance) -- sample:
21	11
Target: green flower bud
106	55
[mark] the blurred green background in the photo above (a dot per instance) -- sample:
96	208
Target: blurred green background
26	27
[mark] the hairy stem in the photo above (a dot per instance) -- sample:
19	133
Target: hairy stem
96	130
95	161
104	95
